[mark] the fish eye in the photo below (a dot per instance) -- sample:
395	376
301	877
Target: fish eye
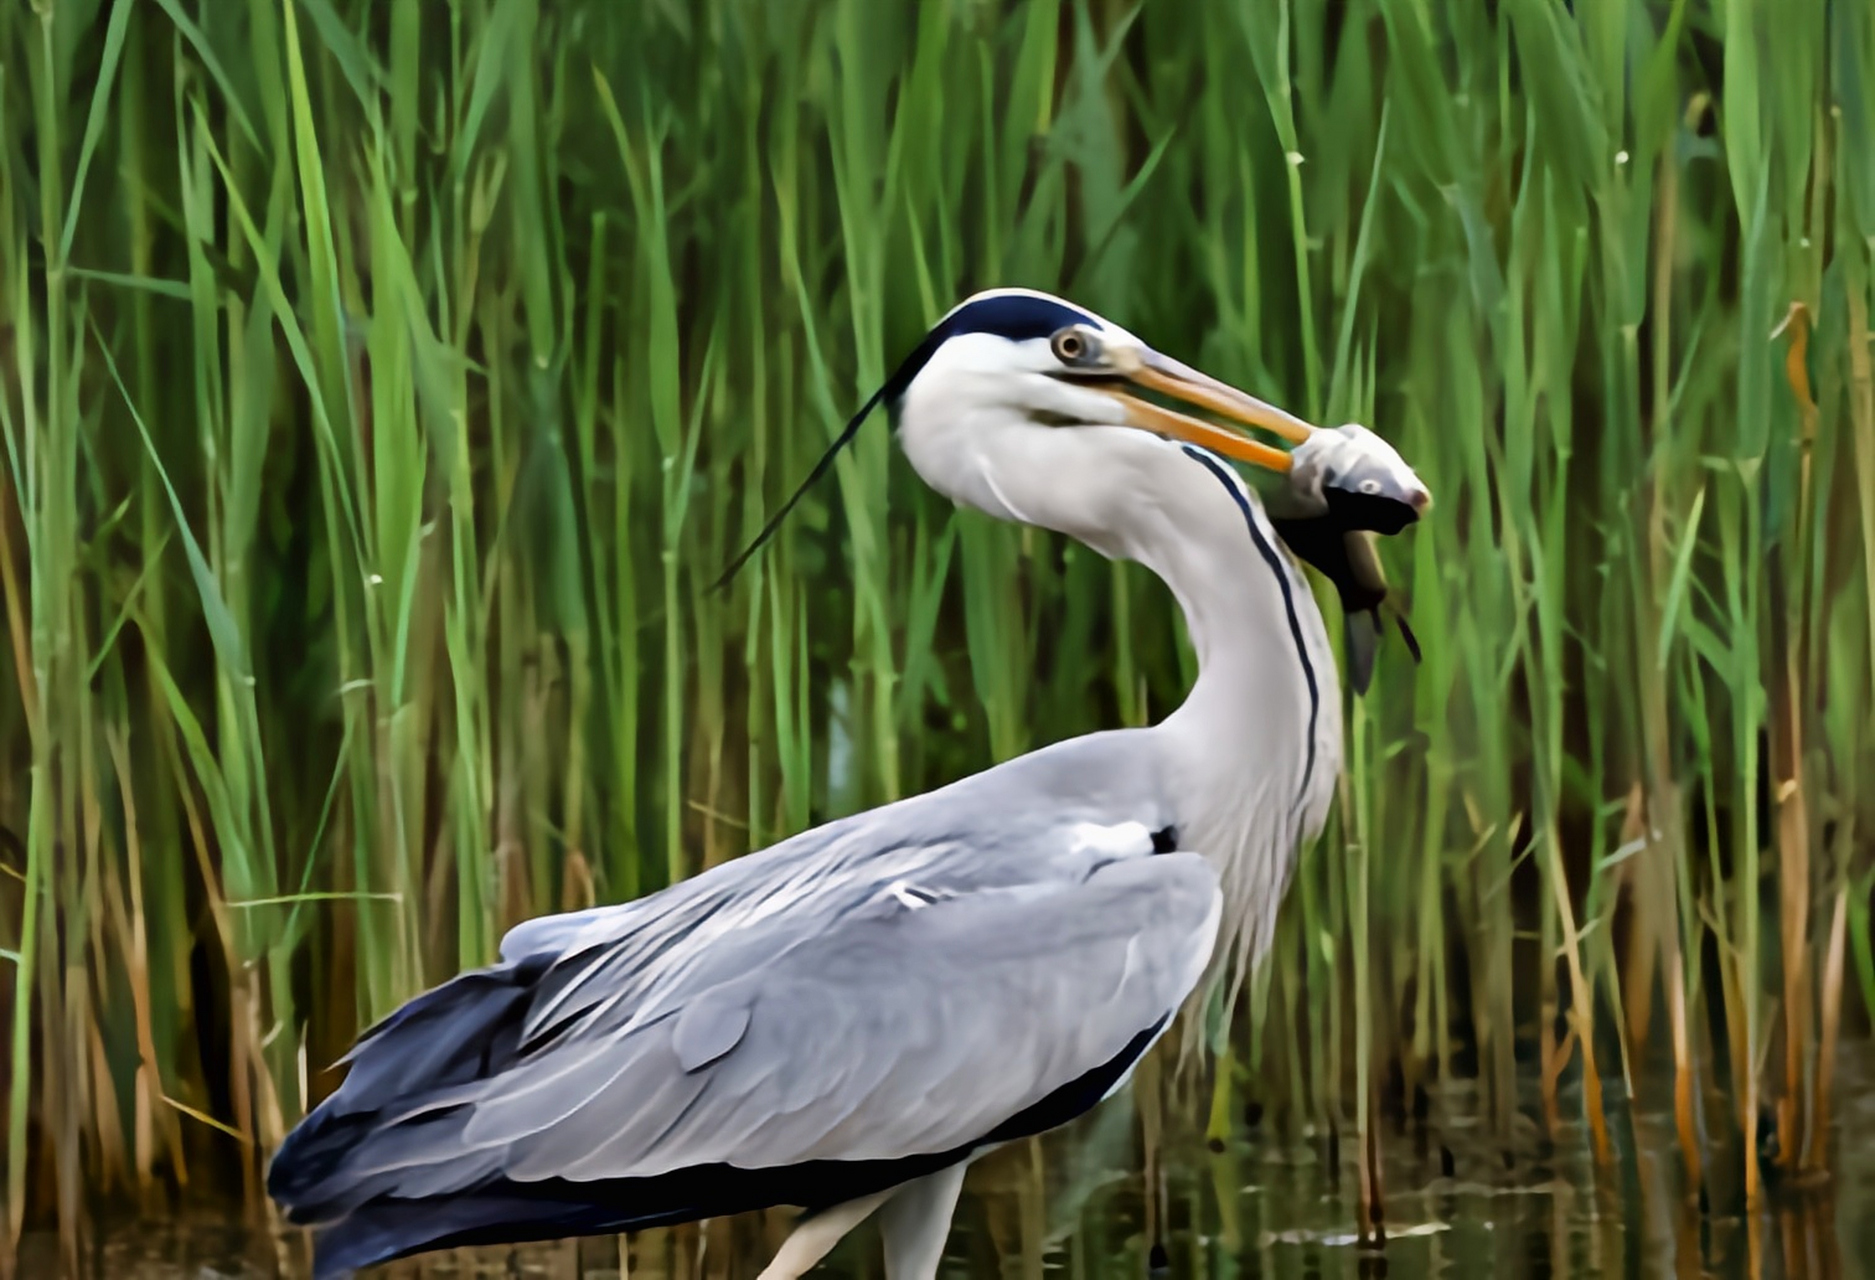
1370	485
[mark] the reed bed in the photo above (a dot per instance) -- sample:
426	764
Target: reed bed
385	383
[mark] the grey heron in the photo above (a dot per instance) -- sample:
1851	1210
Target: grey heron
841	1021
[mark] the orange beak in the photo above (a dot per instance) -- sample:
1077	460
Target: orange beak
1154	372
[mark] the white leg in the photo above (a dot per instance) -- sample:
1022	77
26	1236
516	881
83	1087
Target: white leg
917	1220
816	1235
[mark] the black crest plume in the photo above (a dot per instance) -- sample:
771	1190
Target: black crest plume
820	469
887	394
1013	314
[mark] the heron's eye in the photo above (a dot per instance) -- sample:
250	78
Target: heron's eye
1075	346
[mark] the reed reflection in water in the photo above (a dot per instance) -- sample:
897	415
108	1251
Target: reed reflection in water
1074	1205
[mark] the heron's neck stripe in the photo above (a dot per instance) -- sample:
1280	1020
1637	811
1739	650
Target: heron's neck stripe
1225	478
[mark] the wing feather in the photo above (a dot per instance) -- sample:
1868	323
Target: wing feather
891	1030
708	1029
887	1035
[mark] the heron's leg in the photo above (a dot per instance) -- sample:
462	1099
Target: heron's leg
916	1221
814	1236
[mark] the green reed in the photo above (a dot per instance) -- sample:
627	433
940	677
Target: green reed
385	383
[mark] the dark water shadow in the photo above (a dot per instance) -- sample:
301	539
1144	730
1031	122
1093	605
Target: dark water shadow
1075	1205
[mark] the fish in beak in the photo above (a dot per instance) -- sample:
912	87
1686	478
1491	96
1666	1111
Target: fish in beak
1346	487
1343	486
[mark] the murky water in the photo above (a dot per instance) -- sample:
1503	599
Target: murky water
1075	1206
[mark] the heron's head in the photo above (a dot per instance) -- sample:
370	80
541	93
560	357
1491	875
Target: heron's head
1010	359
1013	357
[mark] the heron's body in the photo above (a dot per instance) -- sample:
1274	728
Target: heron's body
840	1021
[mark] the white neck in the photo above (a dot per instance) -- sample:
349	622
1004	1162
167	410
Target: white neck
1237	751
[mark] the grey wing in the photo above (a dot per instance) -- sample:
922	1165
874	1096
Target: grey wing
915	1025
558	932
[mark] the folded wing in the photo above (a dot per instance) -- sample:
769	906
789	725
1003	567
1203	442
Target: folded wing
890	1038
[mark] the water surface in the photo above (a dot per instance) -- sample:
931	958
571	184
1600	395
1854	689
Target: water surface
1075	1206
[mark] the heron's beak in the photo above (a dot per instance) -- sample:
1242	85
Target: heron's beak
1151	371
